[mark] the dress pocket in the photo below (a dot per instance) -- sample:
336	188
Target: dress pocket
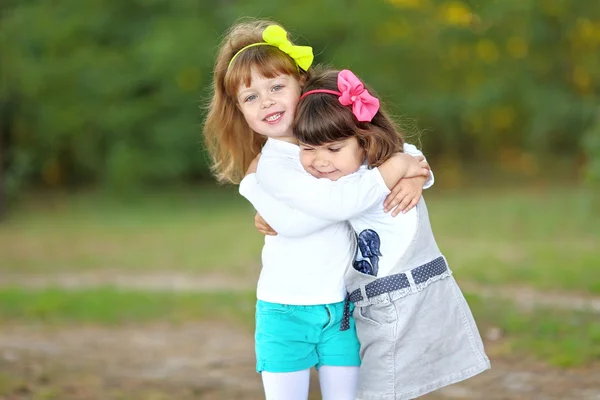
376	314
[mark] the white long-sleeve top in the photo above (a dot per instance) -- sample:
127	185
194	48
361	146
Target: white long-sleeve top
305	263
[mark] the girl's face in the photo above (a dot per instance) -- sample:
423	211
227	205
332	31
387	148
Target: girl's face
332	160
269	104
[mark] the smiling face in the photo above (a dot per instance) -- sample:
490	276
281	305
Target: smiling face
332	160
269	105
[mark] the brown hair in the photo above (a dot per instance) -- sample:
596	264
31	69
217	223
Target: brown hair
321	119
231	143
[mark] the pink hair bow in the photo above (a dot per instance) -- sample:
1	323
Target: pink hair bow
353	92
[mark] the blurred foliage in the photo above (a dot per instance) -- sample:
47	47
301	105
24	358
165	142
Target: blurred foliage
592	147
111	91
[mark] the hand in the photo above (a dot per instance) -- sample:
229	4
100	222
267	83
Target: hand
253	165
418	167
405	195
262	226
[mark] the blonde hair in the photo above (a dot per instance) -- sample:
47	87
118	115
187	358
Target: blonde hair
321	118
231	143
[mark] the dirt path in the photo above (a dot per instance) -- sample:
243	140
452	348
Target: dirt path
211	361
215	360
141	280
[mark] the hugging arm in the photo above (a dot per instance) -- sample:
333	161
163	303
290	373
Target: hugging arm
339	200
284	220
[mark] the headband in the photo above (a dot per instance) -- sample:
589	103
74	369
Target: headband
352	92
276	36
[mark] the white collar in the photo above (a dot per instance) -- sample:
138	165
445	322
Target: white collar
281	148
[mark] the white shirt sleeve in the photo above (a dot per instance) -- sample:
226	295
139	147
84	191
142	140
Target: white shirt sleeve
284	220
337	201
413	151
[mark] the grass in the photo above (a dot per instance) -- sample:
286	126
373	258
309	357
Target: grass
562	338
545	238
210	229
110	306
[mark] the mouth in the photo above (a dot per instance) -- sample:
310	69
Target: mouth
326	174
273	117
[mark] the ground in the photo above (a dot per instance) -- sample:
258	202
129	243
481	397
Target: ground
214	360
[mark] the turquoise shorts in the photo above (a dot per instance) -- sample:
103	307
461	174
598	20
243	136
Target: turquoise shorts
292	338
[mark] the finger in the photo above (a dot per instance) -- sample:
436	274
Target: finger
389	200
267	232
396	205
401	206
390	197
265	228
413	203
392	201
405	203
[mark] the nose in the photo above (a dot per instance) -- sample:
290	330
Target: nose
321	159
267	102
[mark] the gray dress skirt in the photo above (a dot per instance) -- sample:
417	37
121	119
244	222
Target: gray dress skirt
415	328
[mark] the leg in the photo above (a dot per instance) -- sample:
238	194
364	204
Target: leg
338	383
286	385
285	344
339	359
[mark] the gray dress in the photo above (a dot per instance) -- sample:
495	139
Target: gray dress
415	327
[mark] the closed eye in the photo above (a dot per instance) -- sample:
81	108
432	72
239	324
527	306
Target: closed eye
334	149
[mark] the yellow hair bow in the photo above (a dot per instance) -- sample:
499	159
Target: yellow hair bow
276	36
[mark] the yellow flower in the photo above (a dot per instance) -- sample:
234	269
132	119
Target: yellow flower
456	13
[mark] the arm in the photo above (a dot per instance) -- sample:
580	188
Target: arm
413	151
282	218
399	166
407	192
339	200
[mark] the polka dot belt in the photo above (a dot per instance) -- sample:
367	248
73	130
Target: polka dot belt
392	283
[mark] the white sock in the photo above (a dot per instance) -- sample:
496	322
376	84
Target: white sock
286	385
338	383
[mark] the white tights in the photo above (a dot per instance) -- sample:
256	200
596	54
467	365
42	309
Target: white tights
337	383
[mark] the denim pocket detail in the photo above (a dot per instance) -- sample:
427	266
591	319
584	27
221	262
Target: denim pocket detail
266	308
377	314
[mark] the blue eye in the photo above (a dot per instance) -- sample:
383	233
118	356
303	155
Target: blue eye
277	87
250	98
